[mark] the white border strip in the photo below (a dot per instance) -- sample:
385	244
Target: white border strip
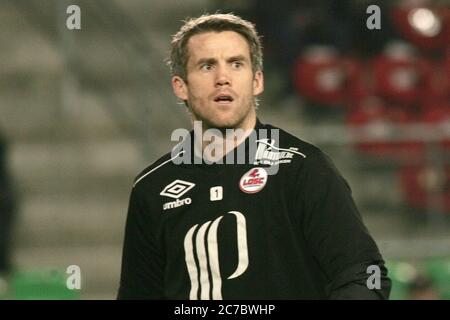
157	168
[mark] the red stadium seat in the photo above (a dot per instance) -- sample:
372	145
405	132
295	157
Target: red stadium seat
319	76
398	75
374	120
436	85
439	116
425	186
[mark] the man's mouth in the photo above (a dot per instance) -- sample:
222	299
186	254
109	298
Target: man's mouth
223	99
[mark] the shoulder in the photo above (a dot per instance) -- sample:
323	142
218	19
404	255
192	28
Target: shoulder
303	160
157	169
308	152
315	173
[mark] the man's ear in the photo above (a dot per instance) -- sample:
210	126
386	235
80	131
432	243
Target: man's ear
179	88
258	83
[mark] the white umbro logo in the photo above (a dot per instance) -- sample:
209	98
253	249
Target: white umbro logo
177	188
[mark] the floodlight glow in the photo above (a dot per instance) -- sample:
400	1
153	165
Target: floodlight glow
425	21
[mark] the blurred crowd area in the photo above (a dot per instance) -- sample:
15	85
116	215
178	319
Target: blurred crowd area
420	279
83	111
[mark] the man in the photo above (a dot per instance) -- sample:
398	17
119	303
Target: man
282	225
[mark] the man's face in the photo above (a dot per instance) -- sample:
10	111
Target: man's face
220	86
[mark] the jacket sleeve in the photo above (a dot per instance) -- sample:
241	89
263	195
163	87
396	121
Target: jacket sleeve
142	261
337	236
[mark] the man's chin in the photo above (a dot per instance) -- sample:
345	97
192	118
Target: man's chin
220	123
224	124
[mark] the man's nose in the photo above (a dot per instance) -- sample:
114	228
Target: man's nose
222	77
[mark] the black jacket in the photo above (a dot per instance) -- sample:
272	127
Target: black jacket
228	231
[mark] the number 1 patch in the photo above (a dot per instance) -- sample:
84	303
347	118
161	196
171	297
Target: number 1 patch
216	193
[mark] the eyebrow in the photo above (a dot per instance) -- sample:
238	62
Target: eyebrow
239	57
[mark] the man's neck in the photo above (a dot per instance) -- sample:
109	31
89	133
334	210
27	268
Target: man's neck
215	144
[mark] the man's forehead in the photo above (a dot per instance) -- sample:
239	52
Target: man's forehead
209	44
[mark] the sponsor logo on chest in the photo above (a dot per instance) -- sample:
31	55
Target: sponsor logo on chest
268	154
253	181
175	190
177	203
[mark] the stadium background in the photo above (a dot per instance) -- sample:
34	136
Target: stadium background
85	110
